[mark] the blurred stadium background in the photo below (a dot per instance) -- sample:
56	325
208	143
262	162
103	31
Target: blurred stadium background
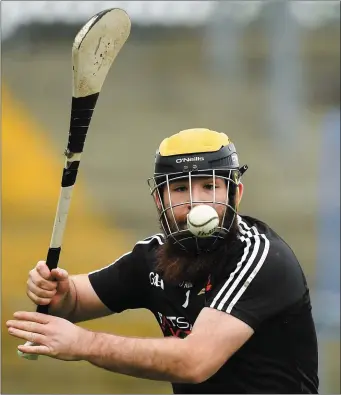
266	73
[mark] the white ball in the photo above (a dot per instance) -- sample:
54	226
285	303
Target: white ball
31	357
202	220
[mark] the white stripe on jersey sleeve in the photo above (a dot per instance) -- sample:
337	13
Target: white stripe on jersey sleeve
252	275
252	250
231	277
255	243
148	240
158	237
248	231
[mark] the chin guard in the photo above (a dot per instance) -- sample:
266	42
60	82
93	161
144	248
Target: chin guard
185	241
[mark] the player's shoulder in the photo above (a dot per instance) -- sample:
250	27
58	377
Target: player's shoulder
251	226
148	244
271	260
258	234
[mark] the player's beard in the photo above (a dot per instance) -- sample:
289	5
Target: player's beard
176	265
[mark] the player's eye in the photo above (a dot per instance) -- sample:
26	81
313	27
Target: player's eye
180	188
211	186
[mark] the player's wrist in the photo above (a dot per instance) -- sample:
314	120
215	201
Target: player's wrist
66	305
88	346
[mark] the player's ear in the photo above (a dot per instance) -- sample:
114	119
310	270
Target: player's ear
240	191
157	199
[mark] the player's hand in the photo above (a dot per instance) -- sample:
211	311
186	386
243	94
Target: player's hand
48	287
51	336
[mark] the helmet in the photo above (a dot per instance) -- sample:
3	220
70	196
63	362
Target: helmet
188	154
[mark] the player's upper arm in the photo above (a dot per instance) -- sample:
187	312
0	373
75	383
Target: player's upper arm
264	280
124	284
88	304
215	337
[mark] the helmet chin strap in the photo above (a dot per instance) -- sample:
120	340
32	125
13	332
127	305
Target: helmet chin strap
243	169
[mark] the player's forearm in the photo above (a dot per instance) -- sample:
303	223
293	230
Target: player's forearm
166	359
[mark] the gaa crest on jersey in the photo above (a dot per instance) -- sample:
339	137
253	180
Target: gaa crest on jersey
156	280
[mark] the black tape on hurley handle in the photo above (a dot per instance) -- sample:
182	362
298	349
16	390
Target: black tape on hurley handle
51	262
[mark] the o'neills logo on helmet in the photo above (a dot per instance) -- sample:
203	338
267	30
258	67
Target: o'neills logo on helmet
195	159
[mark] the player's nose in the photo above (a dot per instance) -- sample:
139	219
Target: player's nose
195	197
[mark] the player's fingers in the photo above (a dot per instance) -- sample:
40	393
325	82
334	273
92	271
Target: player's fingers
41	282
27	326
59	274
43	270
34	349
41	292
33	316
30	336
38	300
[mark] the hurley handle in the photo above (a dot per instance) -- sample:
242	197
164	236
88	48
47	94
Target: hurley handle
51	262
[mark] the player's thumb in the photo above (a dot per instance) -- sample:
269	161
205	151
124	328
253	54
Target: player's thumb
62	277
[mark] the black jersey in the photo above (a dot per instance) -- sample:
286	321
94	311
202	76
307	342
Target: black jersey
262	285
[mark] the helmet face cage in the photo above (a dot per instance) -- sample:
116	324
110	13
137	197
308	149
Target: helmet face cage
171	228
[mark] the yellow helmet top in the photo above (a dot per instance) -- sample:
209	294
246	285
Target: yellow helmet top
190	141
